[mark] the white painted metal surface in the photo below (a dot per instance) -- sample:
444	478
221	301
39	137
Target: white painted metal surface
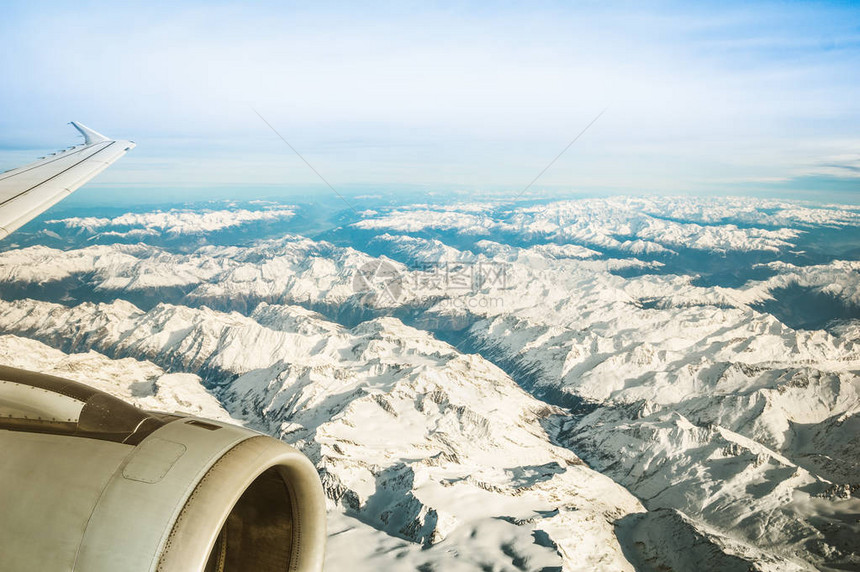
74	504
28	191
27	402
89	483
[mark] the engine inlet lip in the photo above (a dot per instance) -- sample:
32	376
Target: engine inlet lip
197	526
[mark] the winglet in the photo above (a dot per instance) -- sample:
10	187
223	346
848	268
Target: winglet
90	136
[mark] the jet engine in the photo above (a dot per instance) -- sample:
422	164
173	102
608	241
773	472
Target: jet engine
90	483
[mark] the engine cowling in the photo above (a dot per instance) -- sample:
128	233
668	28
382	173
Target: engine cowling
91	483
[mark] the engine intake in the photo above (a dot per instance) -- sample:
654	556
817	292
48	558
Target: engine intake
90	483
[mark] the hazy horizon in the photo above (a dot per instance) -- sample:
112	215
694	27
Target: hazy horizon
750	99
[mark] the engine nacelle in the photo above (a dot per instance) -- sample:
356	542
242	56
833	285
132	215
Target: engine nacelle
89	483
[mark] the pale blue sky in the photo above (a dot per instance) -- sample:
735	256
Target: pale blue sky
726	97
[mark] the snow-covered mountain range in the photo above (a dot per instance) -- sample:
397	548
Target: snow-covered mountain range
603	384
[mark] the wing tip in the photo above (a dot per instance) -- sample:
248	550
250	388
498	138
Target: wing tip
90	136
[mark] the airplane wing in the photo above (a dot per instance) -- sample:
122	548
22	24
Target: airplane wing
27	192
138	490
